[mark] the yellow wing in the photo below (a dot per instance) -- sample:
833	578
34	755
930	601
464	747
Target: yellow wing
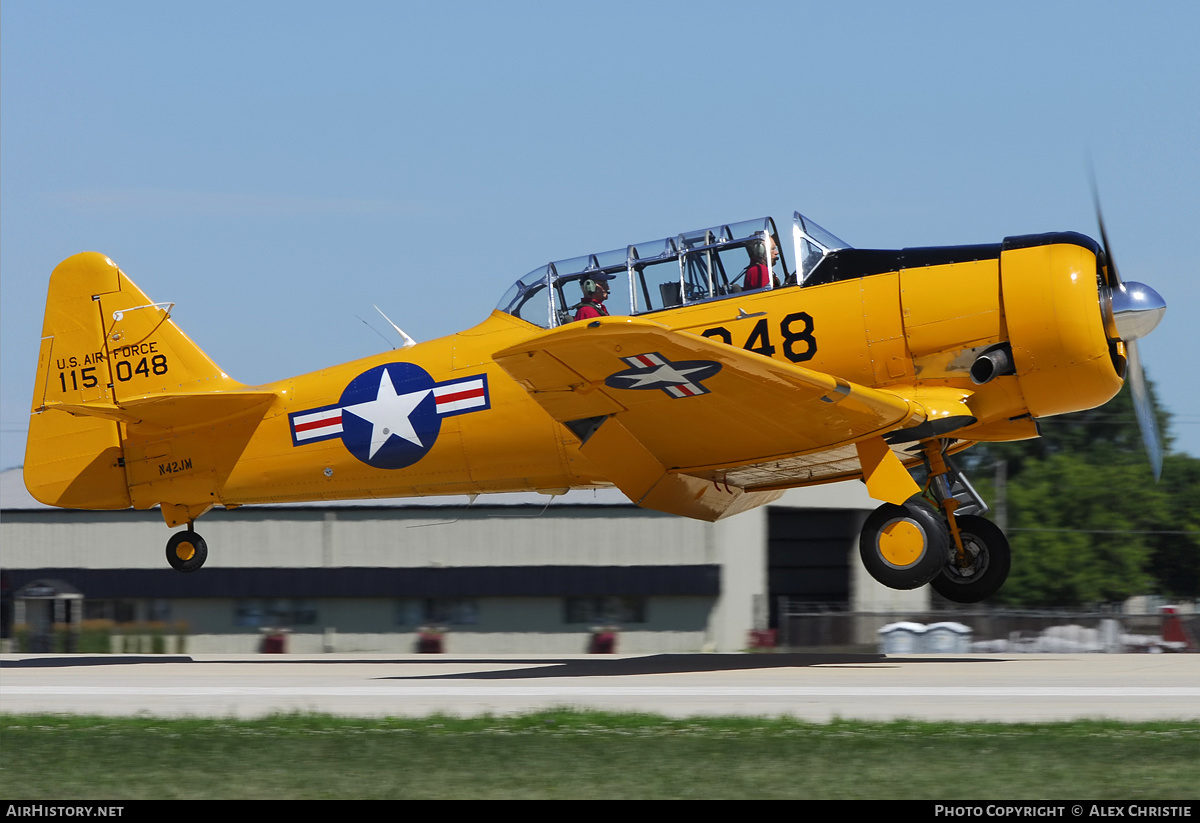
684	424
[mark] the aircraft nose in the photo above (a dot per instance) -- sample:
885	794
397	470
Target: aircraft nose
1134	310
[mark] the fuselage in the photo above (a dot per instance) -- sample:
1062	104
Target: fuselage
907	329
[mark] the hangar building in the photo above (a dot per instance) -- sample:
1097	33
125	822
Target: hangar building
509	573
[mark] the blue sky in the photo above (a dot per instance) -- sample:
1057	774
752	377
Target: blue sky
275	168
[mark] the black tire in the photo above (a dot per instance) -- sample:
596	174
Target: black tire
904	547
990	557
186	551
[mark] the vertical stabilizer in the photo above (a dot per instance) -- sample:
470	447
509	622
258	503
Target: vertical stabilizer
71	460
104	344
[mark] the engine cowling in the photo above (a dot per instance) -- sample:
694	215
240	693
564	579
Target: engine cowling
1052	307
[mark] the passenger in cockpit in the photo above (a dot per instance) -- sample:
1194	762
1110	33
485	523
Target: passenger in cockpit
595	292
758	273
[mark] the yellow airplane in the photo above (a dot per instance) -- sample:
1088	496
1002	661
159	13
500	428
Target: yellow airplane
713	378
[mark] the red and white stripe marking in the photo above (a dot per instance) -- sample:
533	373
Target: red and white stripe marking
649	359
317	424
681	390
456	397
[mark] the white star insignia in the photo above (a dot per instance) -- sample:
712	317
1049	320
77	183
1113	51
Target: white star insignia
665	374
389	414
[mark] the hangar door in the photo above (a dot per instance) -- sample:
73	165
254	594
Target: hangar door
809	553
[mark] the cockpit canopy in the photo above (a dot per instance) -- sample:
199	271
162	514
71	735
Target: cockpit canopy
693	267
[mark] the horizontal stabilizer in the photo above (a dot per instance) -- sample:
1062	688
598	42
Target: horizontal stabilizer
171	411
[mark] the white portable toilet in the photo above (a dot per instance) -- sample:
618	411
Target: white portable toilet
901	638
946	638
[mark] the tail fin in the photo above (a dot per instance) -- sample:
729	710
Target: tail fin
105	346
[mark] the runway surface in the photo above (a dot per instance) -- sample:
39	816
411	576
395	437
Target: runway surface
815	687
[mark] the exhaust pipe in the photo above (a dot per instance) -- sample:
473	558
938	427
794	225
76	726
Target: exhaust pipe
992	363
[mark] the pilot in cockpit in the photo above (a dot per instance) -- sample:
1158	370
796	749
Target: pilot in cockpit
595	292
758	274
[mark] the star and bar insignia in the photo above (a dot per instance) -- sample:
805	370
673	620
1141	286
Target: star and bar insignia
389	416
654	371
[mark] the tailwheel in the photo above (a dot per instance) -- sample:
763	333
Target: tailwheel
186	551
984	567
904	547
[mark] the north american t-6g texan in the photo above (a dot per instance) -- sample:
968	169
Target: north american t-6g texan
732	363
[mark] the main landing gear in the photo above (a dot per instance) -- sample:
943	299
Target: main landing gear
965	557
982	567
186	550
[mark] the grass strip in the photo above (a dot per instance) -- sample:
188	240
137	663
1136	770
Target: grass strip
578	755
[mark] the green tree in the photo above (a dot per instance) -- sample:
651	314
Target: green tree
1086	520
1175	561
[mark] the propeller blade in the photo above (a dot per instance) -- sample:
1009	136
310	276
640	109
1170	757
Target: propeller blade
1144	408
1113	279
1135	311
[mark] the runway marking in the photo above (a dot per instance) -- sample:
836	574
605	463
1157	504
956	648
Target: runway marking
607	691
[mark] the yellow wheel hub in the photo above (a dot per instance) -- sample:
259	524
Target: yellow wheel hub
185	551
901	543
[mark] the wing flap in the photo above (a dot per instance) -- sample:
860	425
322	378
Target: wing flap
636	472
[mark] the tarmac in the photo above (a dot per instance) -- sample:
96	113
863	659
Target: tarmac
814	687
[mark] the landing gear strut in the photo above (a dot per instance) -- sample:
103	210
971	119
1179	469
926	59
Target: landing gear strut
979	557
984	566
186	550
940	540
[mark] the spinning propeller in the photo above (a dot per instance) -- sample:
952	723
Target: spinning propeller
1131	311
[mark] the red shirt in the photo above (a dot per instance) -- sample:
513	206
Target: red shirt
589	309
758	276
